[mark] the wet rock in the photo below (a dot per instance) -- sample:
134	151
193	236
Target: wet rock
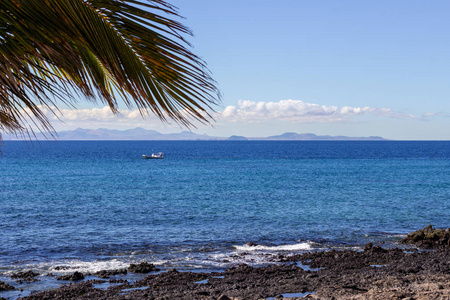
349	276
108	273
142	268
97	281
27	276
429	238
6	287
115	280
375	273
62	268
371	248
241	268
73	277
82	290
251	244
368	247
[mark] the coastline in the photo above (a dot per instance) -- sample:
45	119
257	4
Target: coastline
374	273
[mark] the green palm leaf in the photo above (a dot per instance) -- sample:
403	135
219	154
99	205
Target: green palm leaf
107	50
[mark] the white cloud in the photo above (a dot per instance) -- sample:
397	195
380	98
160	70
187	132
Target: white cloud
66	119
297	111
246	111
440	114
103	114
97	114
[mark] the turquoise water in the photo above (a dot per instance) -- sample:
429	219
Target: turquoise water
94	205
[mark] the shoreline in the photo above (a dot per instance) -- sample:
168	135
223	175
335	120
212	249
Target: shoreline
375	273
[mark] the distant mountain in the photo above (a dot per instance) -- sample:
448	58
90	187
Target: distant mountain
237	138
292	136
130	134
101	134
108	134
144	134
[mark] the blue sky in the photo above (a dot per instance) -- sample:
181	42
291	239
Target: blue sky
355	68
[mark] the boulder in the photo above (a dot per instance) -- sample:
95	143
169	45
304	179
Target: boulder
142	268
429	238
369	247
27	276
74	277
108	273
6	287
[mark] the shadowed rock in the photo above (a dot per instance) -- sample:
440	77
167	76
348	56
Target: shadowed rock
73	277
371	248
108	273
27	276
386	274
375	273
6	287
429	238
142	268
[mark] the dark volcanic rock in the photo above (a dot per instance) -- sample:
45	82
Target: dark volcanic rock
108	273
82	290
429	238
374	273
59	268
115	280
27	276
251	244
379	274
74	277
6	287
143	268
371	248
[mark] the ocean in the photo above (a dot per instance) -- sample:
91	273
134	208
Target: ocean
91	205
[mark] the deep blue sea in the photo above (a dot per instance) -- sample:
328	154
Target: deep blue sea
91	205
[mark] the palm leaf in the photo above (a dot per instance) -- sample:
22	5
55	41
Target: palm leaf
106	50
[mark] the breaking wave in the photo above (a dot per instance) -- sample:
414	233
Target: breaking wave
294	247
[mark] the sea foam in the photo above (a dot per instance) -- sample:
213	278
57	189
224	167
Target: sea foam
293	247
87	266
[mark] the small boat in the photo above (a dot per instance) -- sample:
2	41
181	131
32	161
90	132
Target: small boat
159	155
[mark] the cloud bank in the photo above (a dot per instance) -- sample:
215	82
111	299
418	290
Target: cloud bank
246	111
297	111
94	118
99	114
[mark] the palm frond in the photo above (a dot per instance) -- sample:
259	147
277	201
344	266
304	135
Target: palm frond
107	50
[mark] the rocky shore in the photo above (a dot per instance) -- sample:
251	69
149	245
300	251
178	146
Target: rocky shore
375	273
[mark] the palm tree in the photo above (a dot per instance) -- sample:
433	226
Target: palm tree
54	51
